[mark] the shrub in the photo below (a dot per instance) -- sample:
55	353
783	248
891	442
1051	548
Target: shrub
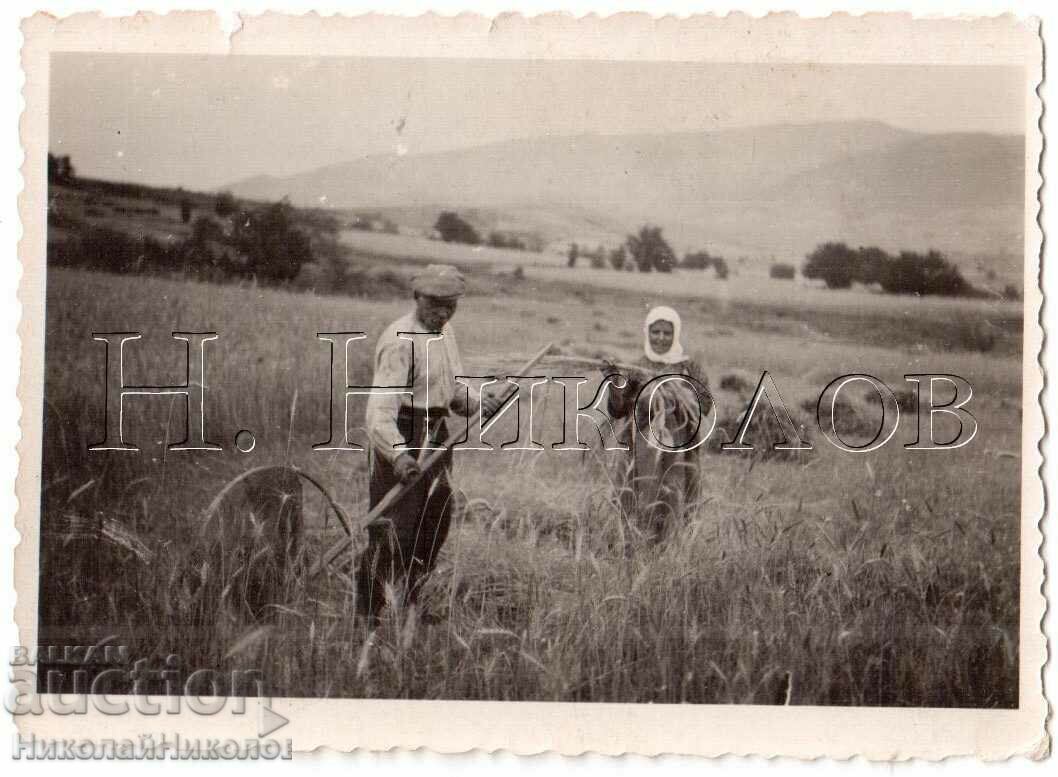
871	264
60	168
333	264
102	248
274	249
699	260
650	251
782	271
499	239
834	263
1012	293
912	273
454	229
205	229
720	268
225	204
618	258
381	282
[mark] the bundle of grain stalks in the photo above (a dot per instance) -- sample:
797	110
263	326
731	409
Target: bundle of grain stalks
738	382
855	421
733	399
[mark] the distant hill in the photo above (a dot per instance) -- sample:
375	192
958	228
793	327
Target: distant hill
775	190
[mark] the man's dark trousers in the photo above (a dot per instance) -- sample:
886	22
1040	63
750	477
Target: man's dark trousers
403	547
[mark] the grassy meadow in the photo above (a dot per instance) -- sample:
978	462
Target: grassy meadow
888	578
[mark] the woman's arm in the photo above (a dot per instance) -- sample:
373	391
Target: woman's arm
621	401
694	370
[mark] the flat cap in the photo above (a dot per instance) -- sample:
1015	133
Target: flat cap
439	280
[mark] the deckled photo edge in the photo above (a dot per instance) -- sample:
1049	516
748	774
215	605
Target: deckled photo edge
532	727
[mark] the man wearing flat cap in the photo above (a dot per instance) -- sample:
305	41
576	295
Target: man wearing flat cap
403	550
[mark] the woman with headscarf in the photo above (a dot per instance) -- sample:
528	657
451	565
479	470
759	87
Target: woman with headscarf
660	487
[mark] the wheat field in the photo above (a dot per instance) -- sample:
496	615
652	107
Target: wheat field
834	579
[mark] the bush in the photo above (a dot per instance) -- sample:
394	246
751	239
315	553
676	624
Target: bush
1012	293
60	169
225	204
650	251
720	268
871	264
699	260
782	271
835	264
205	229
265	245
505	240
274	249
454	229
703	260
912	273
102	248
618	258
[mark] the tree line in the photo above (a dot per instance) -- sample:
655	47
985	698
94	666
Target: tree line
262	243
453	228
647	251
907	272
60	169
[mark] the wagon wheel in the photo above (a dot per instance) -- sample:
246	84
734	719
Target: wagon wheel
262	540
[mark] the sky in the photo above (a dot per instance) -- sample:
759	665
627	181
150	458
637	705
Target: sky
204	122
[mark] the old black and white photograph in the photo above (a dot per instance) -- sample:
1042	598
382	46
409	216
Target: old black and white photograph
538	379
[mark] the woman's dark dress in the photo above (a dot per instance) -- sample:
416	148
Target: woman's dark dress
658	489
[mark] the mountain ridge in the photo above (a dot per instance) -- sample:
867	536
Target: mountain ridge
775	188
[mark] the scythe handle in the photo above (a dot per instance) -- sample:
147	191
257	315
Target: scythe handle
430	460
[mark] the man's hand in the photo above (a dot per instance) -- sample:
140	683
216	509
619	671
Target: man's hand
406	468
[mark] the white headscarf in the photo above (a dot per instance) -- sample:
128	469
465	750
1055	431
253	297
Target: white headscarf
675	354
